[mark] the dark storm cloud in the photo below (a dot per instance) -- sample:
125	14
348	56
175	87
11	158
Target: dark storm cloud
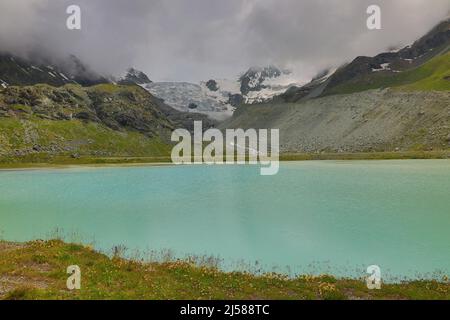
199	39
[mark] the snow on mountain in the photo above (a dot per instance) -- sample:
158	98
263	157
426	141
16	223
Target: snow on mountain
218	98
256	85
190	97
266	85
324	75
3	84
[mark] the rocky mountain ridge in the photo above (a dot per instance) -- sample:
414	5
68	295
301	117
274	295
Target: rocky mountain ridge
380	71
100	120
134	76
17	71
395	101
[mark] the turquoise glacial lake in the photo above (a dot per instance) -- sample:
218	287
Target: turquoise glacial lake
335	217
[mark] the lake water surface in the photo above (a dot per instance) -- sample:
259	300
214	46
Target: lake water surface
334	217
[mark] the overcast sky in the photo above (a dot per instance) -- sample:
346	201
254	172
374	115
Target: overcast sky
192	40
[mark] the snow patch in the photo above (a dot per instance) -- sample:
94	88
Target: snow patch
384	67
36	68
4	84
327	76
64	76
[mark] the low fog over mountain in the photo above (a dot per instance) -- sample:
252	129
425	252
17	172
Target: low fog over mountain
198	40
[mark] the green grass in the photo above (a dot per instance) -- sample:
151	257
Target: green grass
74	137
37	270
437	75
106	88
429	76
20	108
86	143
110	88
40	160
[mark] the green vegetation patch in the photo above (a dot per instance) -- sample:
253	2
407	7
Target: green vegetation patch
35	135
37	270
438	75
21	108
433	75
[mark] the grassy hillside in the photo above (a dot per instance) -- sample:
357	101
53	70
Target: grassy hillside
433	75
37	270
35	136
41	122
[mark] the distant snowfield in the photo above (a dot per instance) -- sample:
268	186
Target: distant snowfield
184	96
191	97
273	87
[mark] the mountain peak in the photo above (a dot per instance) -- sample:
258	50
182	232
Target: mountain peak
134	76
254	77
